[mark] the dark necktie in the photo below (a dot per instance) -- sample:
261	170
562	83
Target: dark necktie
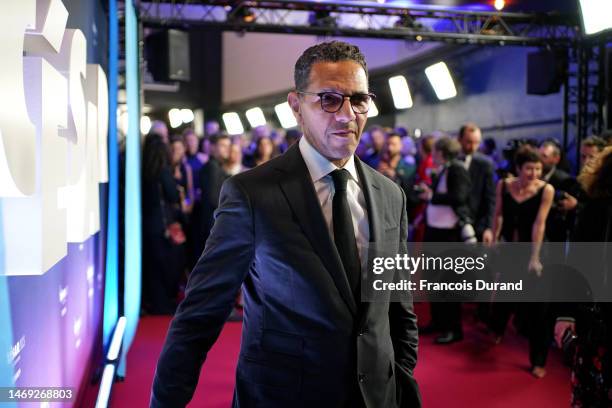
344	234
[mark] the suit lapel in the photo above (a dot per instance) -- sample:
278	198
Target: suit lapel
375	205
299	191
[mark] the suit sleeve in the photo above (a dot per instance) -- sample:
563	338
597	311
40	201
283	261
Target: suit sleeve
211	179
210	294
404	336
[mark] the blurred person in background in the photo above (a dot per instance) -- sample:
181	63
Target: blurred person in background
562	214
161	251
212	176
159	128
590	148
264	150
234	164
589	326
291	137
423	180
522	206
395	167
182	173
448	219
377	139
195	158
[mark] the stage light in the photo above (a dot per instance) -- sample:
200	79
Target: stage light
322	18
255	117
232	122
187	115
417	133
145	125
400	92
373	111
499	5
242	15
285	115
175	117
596	15
440	79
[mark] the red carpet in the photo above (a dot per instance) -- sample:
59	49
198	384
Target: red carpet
473	373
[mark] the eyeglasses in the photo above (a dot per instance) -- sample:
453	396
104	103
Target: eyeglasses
331	102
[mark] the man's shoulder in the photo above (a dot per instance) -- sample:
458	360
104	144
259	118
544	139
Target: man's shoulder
388	185
482	160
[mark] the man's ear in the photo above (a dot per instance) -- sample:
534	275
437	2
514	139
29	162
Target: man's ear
294	103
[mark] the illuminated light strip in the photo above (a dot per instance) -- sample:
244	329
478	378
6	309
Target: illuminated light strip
133	239
115	345
106	385
111	285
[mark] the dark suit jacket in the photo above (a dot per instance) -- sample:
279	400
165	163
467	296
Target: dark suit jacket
306	341
458	187
559	224
481	200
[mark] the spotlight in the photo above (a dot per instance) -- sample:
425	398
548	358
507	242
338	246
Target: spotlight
499	5
373	111
255	117
285	115
595	15
400	92
145	125
187	115
440	79
232	122
175	117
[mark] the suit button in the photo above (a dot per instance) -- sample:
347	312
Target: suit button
361	378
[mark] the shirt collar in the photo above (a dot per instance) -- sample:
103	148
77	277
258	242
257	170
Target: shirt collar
319	166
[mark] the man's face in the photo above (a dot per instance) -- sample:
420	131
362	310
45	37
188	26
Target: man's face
394	146
192	143
378	140
470	141
235	155
334	135
549	157
588	153
222	149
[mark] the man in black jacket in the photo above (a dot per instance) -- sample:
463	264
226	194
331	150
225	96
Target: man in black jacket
211	178
294	230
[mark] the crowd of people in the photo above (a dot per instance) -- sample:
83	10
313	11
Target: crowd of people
459	188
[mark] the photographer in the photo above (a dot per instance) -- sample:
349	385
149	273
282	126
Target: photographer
448	220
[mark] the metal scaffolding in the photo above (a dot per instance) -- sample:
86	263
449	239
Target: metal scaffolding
365	19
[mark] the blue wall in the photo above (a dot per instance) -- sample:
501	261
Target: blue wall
491	85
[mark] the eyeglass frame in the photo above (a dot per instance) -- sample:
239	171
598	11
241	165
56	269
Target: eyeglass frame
319	94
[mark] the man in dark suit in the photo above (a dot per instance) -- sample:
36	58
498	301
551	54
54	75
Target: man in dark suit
211	179
293	230
481	206
562	214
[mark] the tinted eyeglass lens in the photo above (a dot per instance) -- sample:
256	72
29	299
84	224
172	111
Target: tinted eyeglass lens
360	103
331	102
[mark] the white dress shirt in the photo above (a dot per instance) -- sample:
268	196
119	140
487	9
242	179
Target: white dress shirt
438	215
320	168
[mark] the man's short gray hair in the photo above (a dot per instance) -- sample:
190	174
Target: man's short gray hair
330	51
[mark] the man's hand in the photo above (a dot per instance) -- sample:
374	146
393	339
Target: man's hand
560	328
535	266
568	203
487	237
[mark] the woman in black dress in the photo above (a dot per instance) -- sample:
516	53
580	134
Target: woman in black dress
161	259
592	323
522	205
